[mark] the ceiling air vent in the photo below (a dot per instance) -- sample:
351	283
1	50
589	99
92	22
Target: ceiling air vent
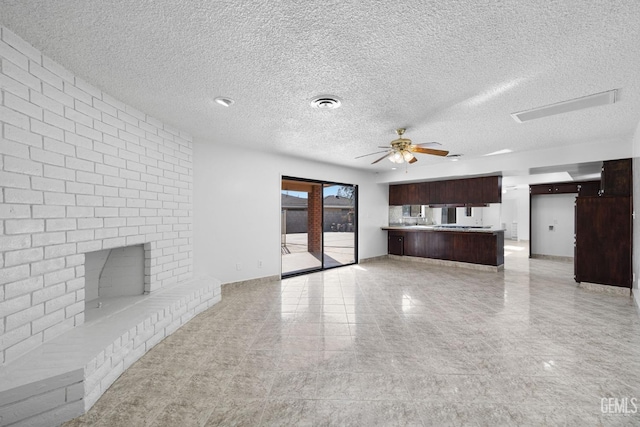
326	102
595	100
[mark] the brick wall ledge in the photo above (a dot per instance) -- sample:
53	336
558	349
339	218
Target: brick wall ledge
64	377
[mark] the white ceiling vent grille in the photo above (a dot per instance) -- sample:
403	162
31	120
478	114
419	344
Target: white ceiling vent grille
595	100
326	102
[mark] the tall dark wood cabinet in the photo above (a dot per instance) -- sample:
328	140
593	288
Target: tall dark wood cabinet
603	240
604	228
616	178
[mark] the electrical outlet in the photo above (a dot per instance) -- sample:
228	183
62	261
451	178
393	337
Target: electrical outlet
259	263
238	266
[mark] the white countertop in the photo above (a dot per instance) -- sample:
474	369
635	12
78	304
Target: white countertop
452	227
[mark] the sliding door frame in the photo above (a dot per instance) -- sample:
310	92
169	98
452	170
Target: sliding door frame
355	228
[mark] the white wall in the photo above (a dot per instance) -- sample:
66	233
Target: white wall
555	210
237	209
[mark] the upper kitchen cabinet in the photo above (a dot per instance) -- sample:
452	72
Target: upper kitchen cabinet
470	191
456	192
397	195
437	192
491	189
616	178
413	194
408	194
475	190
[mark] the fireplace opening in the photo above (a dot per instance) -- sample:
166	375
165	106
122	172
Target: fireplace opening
111	273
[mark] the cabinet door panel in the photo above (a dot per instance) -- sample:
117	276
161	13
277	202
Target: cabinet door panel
396	244
603	240
492	189
475	191
435	190
412	194
617	177
397	195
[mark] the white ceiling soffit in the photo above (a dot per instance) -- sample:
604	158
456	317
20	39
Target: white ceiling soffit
448	71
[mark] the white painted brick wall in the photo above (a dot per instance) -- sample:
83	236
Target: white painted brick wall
79	171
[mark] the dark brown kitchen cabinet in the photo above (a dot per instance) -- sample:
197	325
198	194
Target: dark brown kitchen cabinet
437	192
459	192
603	240
541	189
616	178
475	191
492	189
475	248
413	194
396	244
588	188
565	188
397	195
425	193
583	188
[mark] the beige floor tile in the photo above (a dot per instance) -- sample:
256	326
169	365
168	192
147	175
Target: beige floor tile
394	343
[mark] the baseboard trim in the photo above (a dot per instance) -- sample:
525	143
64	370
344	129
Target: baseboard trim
256	281
606	289
372	259
553	257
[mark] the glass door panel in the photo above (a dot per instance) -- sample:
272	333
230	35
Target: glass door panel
339	227
300	238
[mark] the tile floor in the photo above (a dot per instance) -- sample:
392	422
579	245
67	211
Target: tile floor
393	343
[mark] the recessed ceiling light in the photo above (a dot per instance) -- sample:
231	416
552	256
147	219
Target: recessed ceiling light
595	100
225	102
326	102
393	169
495	153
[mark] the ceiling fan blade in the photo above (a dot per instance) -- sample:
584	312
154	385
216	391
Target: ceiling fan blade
383	157
415	159
371	154
429	151
428	144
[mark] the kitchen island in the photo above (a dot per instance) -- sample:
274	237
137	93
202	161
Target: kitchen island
459	245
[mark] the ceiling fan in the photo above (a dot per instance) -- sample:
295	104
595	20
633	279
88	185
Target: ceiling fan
402	150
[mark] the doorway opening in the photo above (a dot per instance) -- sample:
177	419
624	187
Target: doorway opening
318	225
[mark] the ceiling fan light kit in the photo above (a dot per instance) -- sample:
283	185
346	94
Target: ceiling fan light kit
402	150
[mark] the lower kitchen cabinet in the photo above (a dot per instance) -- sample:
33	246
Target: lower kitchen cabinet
465	246
396	244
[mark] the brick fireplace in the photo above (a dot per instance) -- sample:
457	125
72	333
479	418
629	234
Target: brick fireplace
82	173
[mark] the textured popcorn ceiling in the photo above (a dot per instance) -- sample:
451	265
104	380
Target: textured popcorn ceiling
449	71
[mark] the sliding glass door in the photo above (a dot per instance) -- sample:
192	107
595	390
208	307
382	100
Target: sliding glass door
318	225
